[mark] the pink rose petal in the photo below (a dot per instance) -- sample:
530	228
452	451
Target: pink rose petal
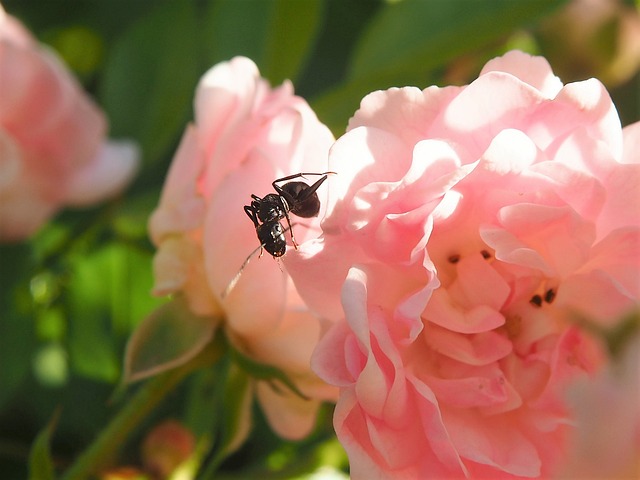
245	136
470	228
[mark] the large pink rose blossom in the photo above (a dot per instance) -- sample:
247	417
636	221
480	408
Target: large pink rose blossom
53	151
245	135
471	229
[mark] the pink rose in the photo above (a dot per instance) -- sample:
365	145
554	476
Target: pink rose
53	151
245	136
606	440
472	226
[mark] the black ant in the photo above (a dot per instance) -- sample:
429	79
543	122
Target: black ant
297	198
266	213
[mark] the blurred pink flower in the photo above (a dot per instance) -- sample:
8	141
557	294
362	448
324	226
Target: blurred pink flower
606	441
468	227
167	446
53	151
245	135
598	38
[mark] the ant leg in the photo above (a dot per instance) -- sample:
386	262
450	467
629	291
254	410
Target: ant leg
304	194
290	228
252	214
297	175
307	192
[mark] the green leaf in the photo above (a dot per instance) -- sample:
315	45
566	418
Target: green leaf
166	339
199	416
277	35
237	410
17	338
40	462
419	35
232	27
151	75
16	349
407	42
232	404
292	31
107	295
261	371
132	216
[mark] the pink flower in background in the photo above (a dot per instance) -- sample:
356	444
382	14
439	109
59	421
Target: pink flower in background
53	151
167	446
245	135
606	441
469	228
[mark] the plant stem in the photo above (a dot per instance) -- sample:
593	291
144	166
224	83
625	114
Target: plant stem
105	447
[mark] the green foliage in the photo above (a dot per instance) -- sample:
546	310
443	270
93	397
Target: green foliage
413	36
167	338
75	294
408	41
277	35
40	461
260	371
16	333
107	294
150	75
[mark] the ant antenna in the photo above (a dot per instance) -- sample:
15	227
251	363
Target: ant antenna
234	281
236	278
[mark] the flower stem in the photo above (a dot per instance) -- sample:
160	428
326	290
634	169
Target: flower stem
105	447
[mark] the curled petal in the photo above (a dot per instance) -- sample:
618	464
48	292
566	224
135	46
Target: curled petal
631	139
534	71
116	161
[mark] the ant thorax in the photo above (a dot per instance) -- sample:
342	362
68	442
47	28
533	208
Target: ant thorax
270	208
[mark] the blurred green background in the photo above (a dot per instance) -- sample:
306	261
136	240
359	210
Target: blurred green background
70	297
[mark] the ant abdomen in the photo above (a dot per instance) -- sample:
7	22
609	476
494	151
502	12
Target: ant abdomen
305	205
